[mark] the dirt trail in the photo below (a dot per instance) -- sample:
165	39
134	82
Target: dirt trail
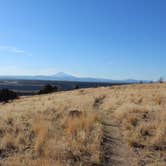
116	152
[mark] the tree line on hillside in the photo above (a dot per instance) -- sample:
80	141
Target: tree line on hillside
50	89
160	80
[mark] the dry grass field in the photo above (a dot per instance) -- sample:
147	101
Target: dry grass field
68	128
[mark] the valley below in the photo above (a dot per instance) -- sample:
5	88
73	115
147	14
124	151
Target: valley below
31	87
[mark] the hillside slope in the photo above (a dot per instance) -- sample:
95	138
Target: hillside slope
120	125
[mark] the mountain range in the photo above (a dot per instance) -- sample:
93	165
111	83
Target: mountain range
61	76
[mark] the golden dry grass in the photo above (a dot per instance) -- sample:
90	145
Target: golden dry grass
40	131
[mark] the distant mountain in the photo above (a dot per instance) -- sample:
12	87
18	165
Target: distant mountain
61	76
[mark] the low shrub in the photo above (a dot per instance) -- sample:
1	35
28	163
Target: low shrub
6	95
48	89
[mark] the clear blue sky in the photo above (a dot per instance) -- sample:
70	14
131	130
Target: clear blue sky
101	38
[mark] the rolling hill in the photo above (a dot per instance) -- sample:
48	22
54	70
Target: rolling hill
119	125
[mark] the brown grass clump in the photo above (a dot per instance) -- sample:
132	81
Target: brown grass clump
99	100
80	134
84	123
144	127
8	142
40	129
145	121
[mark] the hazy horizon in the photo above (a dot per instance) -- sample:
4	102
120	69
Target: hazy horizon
87	38
72	75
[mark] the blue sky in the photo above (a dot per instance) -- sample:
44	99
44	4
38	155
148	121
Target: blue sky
115	39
